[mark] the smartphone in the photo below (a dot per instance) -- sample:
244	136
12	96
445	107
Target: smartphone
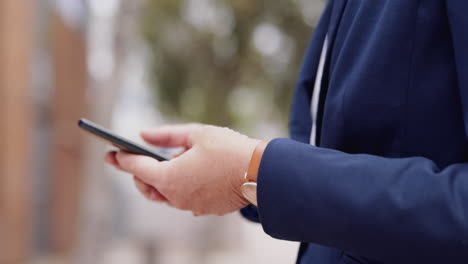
118	141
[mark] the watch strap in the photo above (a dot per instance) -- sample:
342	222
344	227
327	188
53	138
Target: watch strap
254	165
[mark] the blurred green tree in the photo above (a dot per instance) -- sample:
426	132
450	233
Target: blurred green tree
227	62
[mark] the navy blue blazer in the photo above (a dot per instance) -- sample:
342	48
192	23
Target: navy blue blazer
389	180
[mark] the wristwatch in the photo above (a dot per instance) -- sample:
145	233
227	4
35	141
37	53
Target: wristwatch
249	188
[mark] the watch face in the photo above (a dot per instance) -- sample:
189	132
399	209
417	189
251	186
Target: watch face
249	190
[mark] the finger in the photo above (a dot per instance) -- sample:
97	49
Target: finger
156	196
111	159
149	170
142	187
149	191
171	135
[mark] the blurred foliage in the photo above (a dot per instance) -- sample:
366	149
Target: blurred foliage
227	62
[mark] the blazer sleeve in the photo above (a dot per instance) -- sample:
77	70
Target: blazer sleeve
393	210
457	13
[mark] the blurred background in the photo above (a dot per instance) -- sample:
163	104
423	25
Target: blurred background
130	65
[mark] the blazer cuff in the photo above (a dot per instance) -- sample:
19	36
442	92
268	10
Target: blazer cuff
250	213
277	200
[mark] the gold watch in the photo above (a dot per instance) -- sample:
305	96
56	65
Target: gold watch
249	188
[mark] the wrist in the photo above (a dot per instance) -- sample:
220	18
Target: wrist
238	175
249	187
255	160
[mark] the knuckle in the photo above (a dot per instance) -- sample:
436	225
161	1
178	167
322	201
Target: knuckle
203	211
220	214
196	126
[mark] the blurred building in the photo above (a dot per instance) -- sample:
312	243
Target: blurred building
64	59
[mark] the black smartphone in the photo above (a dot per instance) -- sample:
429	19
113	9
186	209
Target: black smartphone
118	141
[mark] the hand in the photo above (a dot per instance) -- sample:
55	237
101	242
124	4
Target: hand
147	190
205	178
